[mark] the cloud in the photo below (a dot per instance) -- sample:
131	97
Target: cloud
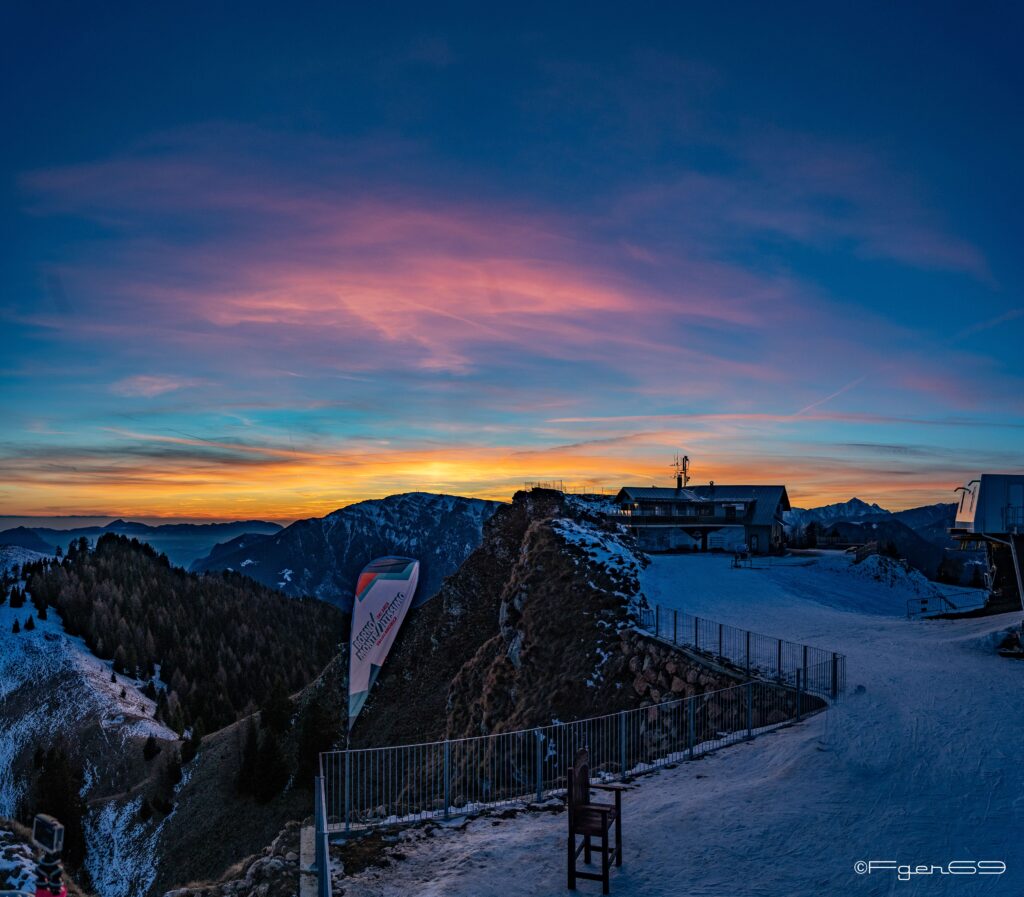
150	386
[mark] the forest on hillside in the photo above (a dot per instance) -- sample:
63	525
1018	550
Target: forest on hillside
212	646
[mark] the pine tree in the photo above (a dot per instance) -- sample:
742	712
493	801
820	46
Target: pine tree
150	749
247	769
321	726
276	714
57	793
271	769
16	628
30	624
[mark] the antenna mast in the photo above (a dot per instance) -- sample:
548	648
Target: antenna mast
681	466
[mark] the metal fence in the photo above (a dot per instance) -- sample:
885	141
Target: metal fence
754	655
411	783
958	602
414	782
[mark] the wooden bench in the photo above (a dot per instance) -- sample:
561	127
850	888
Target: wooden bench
592	820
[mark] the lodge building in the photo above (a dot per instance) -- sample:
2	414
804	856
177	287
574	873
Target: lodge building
704	518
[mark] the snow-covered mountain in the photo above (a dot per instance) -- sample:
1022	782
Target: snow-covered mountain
323	556
854	509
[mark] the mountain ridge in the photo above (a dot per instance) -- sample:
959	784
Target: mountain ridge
322	556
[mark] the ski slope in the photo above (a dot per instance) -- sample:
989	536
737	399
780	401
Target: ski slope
920	763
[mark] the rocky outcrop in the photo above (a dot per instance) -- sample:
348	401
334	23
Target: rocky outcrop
272	873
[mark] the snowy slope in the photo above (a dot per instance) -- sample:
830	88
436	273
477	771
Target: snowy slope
52	686
918	764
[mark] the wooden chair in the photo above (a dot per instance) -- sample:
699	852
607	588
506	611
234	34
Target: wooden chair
591	820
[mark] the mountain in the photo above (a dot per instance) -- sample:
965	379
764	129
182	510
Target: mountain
23	537
853	509
931	522
323	556
181	542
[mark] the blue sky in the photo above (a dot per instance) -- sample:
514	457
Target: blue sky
267	264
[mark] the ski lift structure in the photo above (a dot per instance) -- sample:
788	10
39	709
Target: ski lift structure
990	516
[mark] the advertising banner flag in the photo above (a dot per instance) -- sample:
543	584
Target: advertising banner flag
384	594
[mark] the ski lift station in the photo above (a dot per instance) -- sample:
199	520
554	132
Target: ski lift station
990	514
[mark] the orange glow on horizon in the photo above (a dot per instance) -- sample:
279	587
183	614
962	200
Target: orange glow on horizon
282	484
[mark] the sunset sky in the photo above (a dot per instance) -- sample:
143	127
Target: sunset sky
267	260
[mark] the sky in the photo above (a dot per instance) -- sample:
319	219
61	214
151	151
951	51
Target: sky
267	260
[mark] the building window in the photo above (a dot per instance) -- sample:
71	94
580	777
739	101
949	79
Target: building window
730	512
706	510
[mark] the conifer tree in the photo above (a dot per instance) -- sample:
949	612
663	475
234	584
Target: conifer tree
271	769
58	793
246	783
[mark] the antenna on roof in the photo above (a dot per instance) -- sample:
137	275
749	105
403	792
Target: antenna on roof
682	468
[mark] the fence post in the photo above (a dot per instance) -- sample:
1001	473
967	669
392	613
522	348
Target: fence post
657	620
540	765
348	791
750	709
675	627
696	633
835	674
691	724
721	653
805	666
799	694
447	776
778	666
622	743
748	653
323	871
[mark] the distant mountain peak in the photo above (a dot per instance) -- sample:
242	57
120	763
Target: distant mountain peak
852	509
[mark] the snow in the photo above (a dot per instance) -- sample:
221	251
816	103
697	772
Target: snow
17	864
919	763
603	548
78	690
122	852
